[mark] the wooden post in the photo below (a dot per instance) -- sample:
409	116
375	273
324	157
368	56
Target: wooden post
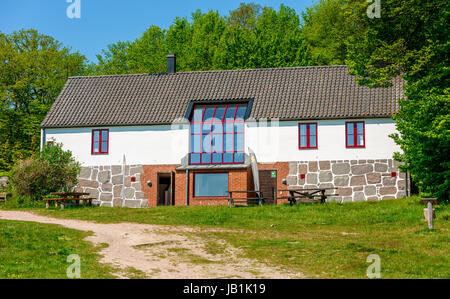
430	215
429	202
47	205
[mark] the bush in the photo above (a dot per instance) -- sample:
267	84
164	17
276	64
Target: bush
51	170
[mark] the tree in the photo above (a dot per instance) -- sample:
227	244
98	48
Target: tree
113	61
279	39
237	47
207	29
250	37
262	40
245	16
178	39
33	70
410	40
326	30
147	54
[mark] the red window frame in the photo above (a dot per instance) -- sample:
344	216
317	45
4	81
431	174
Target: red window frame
209	157
101	151
308	136
355	134
209	196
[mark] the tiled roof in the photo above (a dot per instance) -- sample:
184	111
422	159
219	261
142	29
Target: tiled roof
326	92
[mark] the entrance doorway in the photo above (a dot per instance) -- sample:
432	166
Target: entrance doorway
165	190
268	185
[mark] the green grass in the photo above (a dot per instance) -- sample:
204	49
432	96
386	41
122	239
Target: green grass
323	241
40	251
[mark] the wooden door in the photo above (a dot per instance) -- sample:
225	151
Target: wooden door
268	185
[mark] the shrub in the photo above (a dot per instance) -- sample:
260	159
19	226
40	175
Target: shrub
64	170
51	170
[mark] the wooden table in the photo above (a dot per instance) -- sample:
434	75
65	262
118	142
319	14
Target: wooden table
306	195
64	197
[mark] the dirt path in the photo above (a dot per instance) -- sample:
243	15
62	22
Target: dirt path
160	253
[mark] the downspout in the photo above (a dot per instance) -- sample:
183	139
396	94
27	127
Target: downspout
43	138
187	187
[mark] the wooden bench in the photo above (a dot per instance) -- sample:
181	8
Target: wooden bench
258	200
3	197
65	197
301	195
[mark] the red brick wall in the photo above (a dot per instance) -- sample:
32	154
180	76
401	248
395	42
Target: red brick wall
238	180
151	174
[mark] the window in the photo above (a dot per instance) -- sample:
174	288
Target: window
217	134
50	144
355	134
308	136
211	184
100	142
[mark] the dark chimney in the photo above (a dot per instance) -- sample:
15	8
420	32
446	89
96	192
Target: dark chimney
171	64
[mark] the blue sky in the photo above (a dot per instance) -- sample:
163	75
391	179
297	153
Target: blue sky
104	22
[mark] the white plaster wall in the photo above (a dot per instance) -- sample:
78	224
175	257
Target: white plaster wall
280	143
148	145
153	145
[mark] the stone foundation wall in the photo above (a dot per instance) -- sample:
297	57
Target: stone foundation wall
356	180
105	184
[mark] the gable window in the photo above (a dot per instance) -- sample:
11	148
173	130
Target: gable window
308	136
217	134
355	134
100	142
211	184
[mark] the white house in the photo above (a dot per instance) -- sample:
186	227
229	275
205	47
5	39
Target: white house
186	137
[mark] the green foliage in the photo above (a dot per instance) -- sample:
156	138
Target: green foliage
28	178
250	37
327	30
410	40
33	70
52	170
423	123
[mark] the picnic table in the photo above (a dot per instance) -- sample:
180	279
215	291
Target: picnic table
306	195
64	197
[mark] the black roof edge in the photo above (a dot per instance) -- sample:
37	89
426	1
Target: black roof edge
248	101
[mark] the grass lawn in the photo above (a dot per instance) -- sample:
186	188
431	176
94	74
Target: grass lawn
34	251
320	241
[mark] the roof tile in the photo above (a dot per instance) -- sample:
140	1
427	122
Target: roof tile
325	92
